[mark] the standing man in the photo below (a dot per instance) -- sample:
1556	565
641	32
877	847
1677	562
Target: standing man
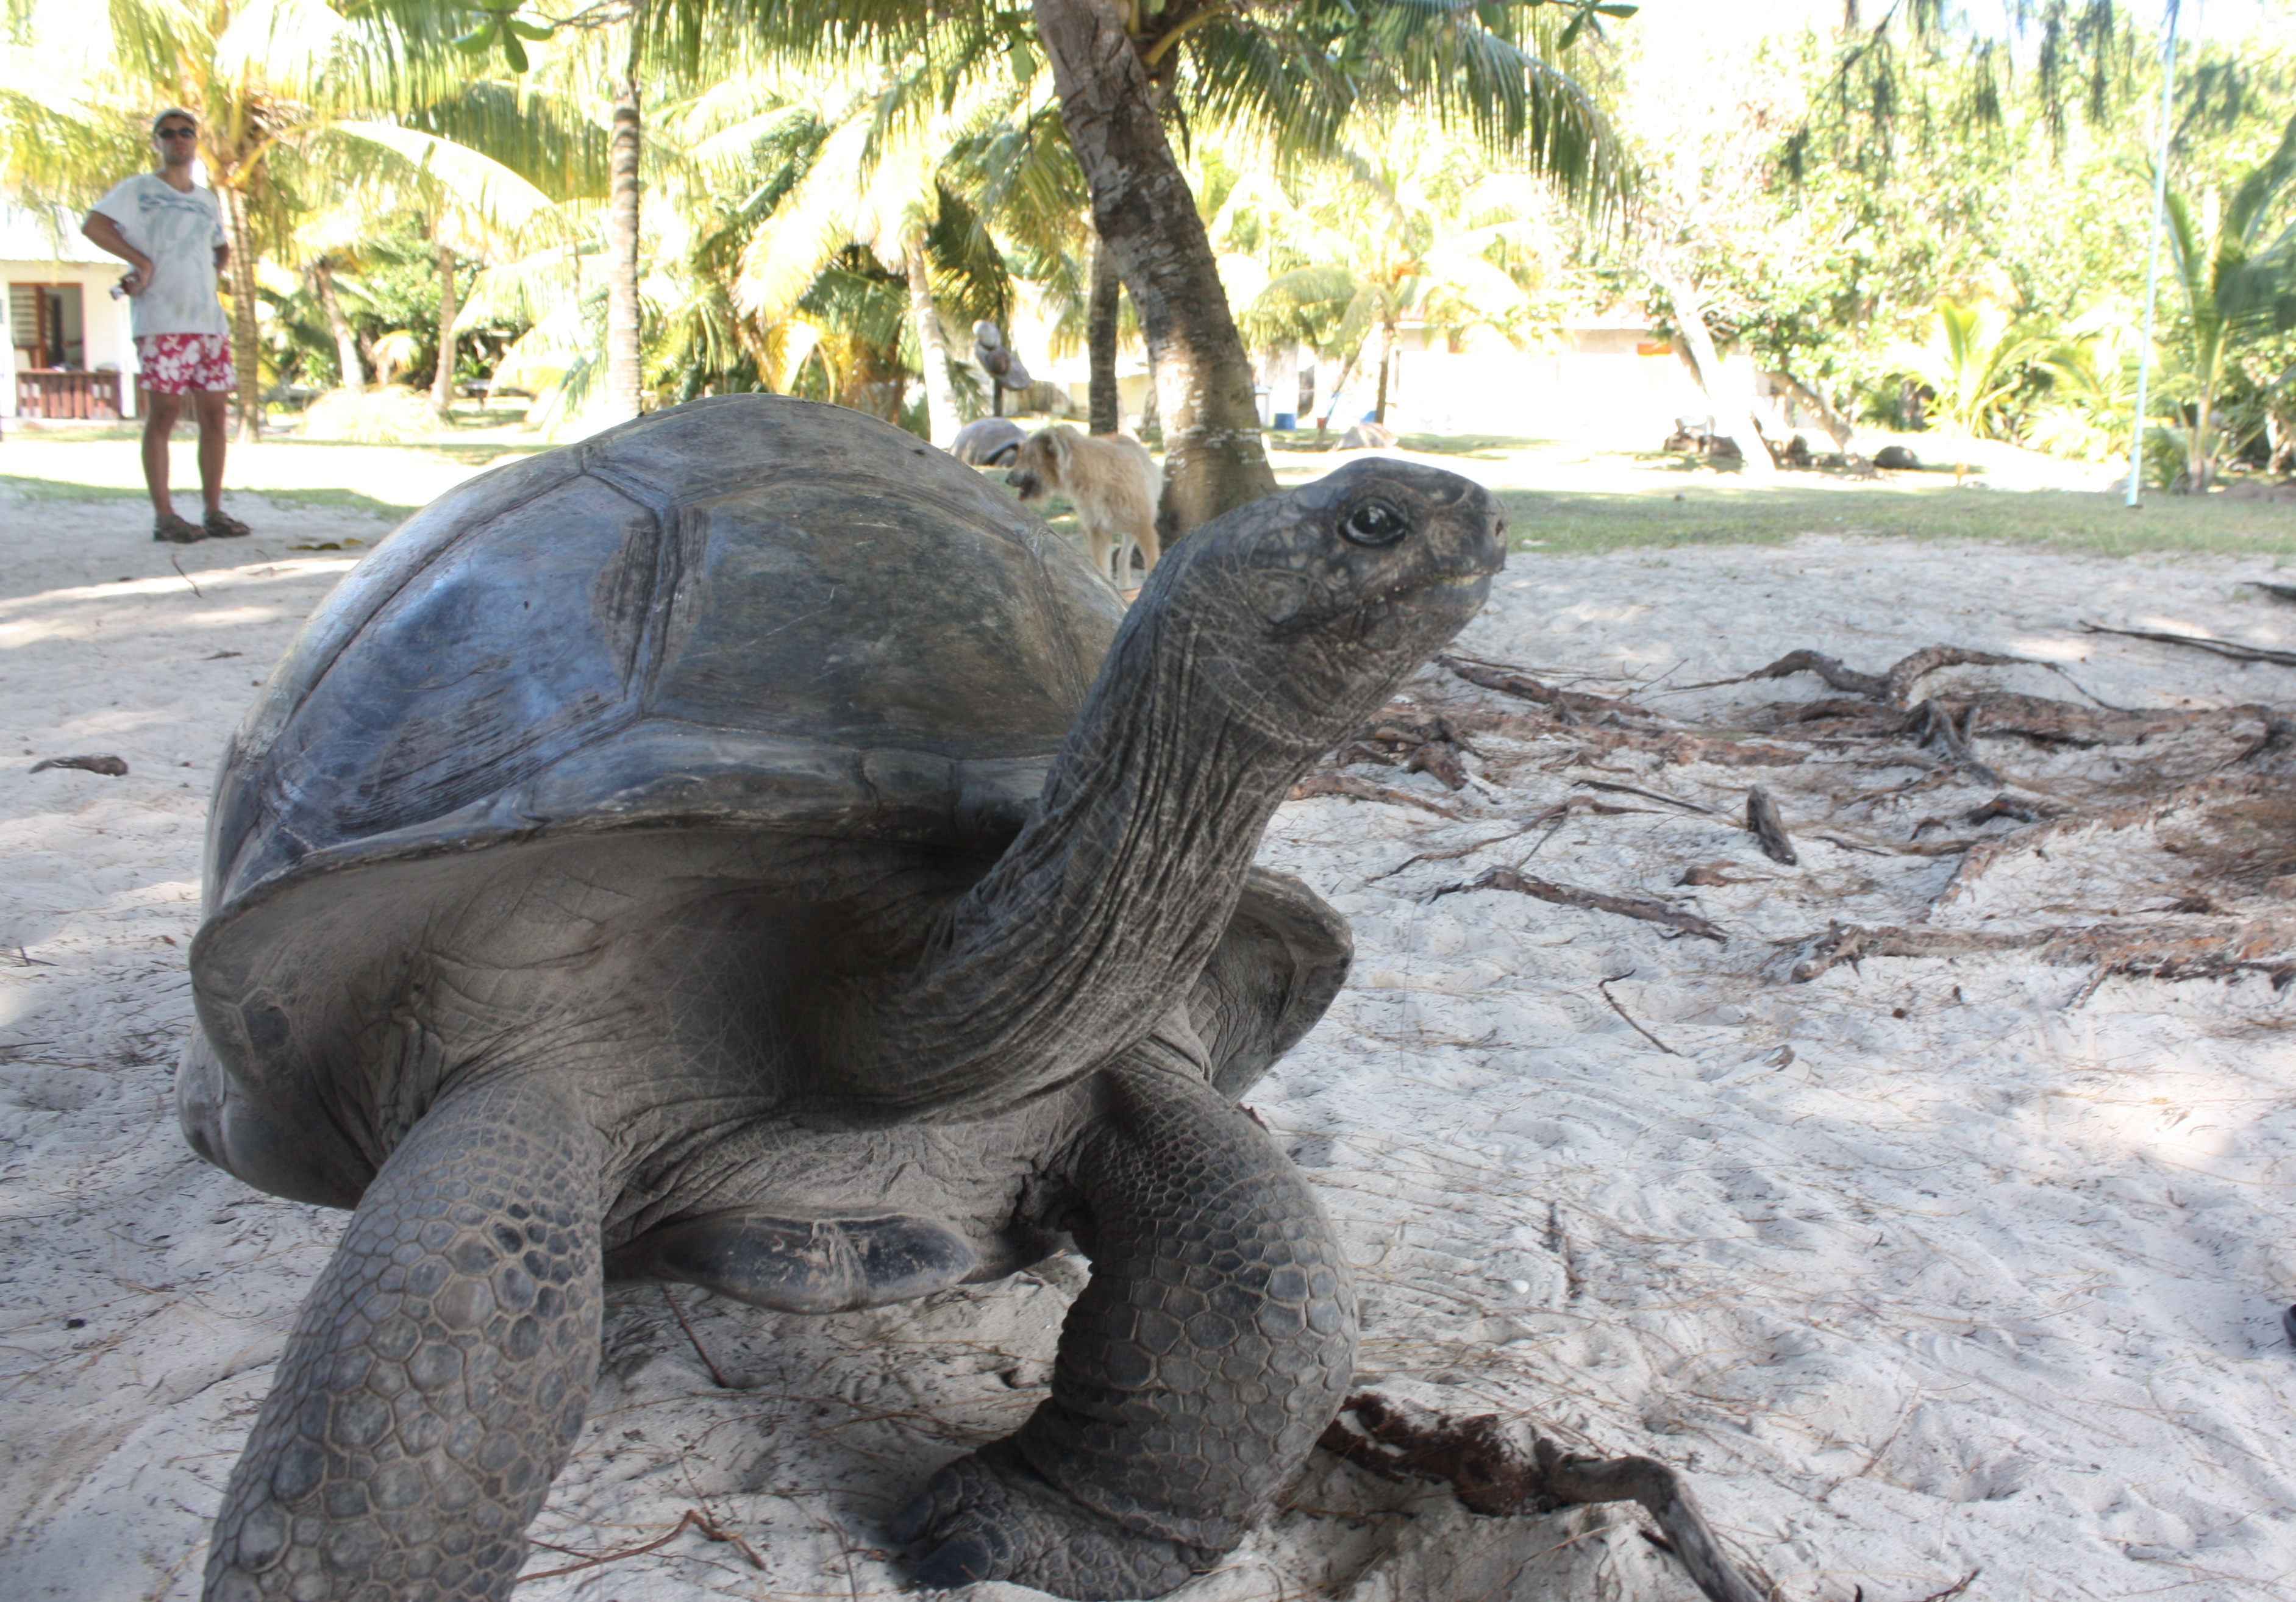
169	232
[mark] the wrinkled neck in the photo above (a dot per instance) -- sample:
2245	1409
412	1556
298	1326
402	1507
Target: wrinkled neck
1103	911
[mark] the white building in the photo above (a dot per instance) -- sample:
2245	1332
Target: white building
69	352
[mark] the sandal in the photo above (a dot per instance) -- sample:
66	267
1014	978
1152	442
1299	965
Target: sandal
178	530
221	526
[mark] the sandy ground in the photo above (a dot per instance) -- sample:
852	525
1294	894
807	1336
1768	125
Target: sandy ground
1923	1268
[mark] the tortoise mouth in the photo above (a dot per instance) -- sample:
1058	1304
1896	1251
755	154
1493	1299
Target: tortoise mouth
1444	594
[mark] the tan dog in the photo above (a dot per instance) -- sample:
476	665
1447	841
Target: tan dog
1113	483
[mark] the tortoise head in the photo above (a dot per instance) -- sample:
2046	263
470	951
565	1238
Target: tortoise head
1307	608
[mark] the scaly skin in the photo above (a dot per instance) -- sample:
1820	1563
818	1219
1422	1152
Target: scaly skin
1213	1345
437	1374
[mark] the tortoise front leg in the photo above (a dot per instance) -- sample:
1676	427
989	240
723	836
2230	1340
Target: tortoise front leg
1214	1343
437	1374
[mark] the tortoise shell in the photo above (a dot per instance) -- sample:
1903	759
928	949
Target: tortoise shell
746	614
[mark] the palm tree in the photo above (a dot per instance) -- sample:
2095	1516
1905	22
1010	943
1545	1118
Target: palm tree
1976	362
875	180
2238	279
471	204
1399	229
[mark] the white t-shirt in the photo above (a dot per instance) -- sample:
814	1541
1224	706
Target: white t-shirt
179	230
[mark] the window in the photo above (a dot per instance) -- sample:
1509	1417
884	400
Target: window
45	325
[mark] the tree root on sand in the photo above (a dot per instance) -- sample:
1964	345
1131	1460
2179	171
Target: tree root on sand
1493	1475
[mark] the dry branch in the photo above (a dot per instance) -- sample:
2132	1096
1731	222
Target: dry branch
1907	671
1629	790
1891	687
1569	705
1362	790
1592	901
2222	648
2215	951
1492	1475
693	1518
1604	986
1937	726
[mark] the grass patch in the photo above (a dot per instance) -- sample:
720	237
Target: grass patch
58	489
1491	447
1575	523
39	490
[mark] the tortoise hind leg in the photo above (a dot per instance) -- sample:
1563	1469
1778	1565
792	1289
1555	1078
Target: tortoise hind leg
1213	1345
439	1372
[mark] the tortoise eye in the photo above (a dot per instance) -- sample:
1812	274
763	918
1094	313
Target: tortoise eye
1375	523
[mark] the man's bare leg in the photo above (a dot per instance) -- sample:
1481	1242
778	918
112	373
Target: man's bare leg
209	406
159	423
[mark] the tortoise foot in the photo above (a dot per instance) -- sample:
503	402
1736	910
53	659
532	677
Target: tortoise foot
991	1516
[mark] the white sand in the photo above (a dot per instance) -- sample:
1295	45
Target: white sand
1993	1284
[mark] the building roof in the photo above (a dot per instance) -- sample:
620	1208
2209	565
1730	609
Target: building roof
26	235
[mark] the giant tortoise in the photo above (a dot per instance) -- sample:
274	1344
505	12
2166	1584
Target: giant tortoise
747	849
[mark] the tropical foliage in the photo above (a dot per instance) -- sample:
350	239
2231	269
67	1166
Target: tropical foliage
1906	219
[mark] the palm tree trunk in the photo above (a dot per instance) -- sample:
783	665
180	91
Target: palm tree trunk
351	373
1386	360
1105	411
1214	458
246	368
442	381
1733	410
940	391
623	377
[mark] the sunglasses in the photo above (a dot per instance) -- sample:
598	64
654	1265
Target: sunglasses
175	133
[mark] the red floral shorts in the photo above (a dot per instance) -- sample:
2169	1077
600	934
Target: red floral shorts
183	364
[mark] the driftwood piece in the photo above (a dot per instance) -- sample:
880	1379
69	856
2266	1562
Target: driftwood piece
2233	649
111	768
1491	1475
1593	900
1364	789
2213	951
1768	828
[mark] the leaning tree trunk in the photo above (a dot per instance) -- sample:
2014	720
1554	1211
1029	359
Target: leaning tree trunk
1733	410
1838	427
623	378
1214	458
247	371
442	381
941	419
1386	361
1103	406
351	373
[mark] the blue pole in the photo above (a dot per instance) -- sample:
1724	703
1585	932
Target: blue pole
2153	264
